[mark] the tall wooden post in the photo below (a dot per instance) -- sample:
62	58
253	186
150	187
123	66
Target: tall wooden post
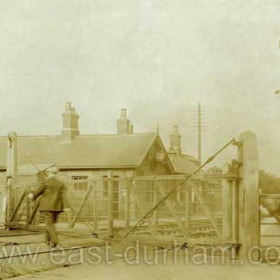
110	205
188	210
235	211
227	207
225	225
12	164
249	235
94	209
155	200
11	173
128	204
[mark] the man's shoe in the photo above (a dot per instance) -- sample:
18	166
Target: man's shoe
58	247
53	245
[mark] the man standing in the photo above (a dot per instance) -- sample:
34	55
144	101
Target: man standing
52	203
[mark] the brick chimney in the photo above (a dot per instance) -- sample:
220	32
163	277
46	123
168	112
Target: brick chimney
123	124
175	141
70	122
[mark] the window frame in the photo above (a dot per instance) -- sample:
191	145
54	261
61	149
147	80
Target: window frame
80	183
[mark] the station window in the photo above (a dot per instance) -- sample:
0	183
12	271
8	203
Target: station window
80	183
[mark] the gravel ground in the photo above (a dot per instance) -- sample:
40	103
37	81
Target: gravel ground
121	271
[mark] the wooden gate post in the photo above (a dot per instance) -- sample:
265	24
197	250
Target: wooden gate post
249	235
227	218
11	173
128	204
94	209
188	210
110	205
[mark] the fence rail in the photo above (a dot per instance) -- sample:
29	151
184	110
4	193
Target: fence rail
118	203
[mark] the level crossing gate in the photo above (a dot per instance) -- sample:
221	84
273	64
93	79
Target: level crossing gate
220	208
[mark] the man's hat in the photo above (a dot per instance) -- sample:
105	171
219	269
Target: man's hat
52	170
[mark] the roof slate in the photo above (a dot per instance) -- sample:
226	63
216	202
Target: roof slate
92	151
183	164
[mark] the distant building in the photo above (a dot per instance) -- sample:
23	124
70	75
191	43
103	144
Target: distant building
82	158
125	154
182	163
187	164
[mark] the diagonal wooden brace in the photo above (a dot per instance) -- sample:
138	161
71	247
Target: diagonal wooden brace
206	210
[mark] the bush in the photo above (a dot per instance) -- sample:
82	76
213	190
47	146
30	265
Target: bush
269	183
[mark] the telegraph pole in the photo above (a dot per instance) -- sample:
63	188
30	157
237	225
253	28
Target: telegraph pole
199	125
199	132
277	91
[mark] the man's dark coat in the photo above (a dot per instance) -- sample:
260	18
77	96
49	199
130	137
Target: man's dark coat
52	192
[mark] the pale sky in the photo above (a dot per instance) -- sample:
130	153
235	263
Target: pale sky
157	58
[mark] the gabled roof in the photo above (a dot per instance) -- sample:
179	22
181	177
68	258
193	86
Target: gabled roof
85	151
106	151
183	164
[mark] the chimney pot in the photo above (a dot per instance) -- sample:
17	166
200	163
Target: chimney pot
67	106
175	141
123	124
175	129
70	122
123	113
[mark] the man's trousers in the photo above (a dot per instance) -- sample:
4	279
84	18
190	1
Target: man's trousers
51	219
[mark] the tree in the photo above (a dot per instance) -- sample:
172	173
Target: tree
268	183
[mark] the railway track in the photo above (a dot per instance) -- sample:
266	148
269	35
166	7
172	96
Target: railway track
29	257
199	228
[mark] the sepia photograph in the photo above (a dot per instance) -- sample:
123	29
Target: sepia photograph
140	139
